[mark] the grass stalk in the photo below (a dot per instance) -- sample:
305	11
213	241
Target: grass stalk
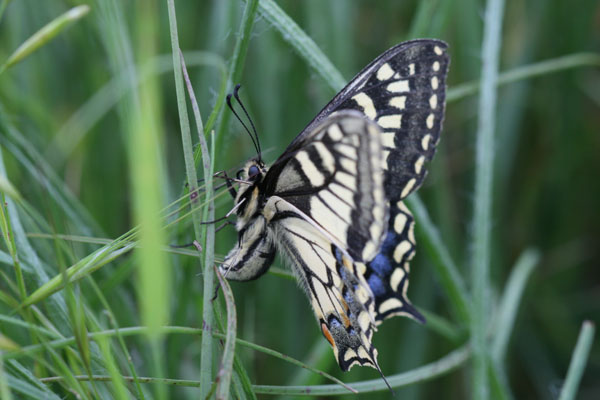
223	378
44	35
147	178
444	266
578	361
237	62
524	72
427	372
511	298
306	48
482	213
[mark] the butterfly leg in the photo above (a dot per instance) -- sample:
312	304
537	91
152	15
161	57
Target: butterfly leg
230	187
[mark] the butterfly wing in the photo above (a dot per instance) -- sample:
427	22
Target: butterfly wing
403	92
336	178
333	200
327	211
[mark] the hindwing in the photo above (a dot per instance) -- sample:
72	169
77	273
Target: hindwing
327	210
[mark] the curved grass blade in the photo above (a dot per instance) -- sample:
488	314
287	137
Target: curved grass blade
223	378
45	34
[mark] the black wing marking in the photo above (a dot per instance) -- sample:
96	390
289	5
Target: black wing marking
404	91
339	295
336	178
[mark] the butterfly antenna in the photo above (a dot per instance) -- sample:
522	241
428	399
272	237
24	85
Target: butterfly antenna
237	97
240	120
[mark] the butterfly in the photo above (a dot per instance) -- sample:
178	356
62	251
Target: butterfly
332	203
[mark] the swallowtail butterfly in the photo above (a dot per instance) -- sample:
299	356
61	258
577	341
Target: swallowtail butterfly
332	203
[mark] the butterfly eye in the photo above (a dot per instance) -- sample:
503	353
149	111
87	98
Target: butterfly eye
253	172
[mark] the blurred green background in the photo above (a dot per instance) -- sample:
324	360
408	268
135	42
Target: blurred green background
59	136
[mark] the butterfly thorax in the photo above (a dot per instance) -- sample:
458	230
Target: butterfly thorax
250	196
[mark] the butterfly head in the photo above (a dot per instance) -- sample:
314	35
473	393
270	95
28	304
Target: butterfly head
253	171
250	178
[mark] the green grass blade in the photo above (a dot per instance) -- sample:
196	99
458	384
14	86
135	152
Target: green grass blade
79	270
147	175
482	213
445	267
578	361
5	391
509	304
44	35
437	368
27	389
427	372
529	71
225	369
236	66
306	48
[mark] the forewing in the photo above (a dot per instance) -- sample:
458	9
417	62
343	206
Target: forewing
404	92
336	179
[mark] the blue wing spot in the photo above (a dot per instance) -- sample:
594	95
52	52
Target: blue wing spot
390	242
338	255
334	323
376	285
381	265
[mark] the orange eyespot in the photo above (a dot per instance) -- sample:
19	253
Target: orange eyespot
327	334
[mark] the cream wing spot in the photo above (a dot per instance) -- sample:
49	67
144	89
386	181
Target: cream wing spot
346	179
399	86
411	233
335	133
362	353
425	142
385	154
364	321
339	219
396	278
390	121
376	230
419	164
349	165
430	120
389	304
342	192
398	102
366	103
409	186
400	222
340	208
387	139
401	249
385	72
437	50
322	298
433	101
327	159
434	83
411	68
349	355
369	250
346	150
315	176
436	66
